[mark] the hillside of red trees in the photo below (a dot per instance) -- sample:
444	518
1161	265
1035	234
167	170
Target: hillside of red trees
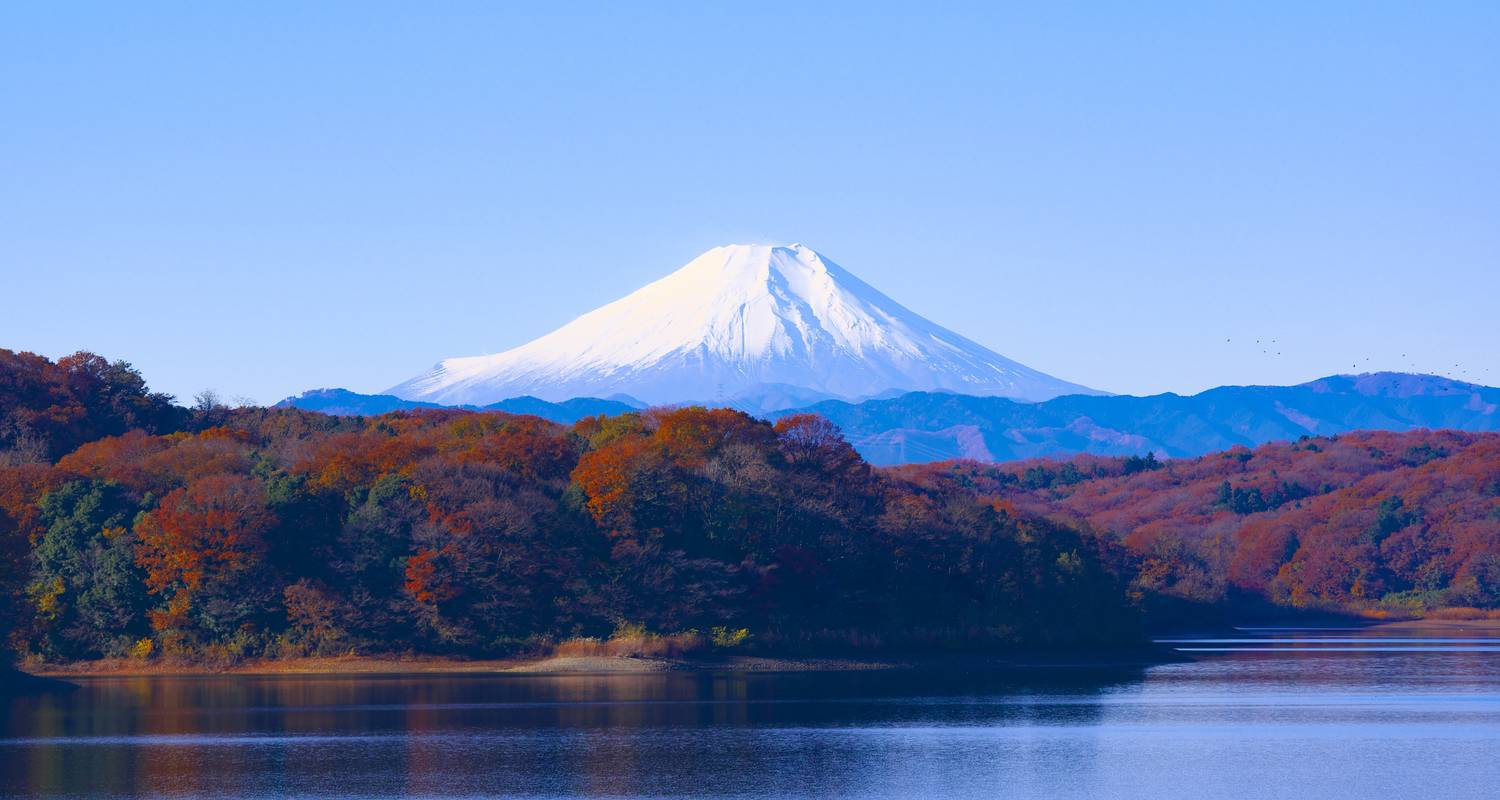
1371	521
135	527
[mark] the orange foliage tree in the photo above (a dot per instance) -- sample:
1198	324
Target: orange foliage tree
203	541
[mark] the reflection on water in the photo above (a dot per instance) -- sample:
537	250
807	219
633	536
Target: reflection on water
1297	713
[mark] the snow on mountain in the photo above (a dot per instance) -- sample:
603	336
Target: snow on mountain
736	319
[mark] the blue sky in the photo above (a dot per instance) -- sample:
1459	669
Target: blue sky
268	198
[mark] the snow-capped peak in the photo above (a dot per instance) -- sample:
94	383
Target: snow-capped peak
733	319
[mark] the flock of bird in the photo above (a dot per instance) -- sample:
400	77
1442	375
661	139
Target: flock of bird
1458	371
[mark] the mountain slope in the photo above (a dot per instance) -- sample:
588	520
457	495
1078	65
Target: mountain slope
342	402
734	320
921	427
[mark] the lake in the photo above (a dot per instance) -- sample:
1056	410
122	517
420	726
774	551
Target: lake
1259	713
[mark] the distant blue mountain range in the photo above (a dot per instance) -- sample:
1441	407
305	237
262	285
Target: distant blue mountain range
928	426
342	402
925	426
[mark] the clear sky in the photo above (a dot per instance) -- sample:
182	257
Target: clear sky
263	198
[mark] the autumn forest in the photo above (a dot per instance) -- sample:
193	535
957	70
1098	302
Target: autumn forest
137	528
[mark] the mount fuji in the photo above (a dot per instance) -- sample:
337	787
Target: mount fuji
741	321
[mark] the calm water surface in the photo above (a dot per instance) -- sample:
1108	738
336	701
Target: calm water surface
1273	713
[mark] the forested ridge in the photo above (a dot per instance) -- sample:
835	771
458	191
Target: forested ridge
133	527
1373	522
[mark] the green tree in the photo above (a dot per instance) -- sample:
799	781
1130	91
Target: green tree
89	595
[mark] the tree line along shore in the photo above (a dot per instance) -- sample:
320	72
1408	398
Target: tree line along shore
145	534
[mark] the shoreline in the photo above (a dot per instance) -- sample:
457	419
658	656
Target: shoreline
1142	656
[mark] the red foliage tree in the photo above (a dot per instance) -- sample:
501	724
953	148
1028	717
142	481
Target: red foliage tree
201	536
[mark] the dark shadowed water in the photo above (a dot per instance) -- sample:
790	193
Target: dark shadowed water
1268	713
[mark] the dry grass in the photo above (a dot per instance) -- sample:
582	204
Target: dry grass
1463	613
632	643
1455	613
1384	614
